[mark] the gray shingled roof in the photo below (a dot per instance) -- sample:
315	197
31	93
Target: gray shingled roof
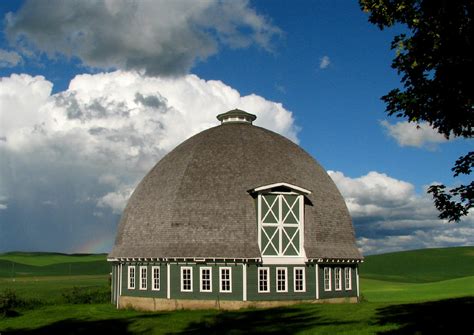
194	202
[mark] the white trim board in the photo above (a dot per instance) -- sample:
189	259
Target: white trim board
290	186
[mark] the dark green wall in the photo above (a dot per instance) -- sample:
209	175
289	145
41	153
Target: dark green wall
333	293
148	292
237	283
236	293
252	284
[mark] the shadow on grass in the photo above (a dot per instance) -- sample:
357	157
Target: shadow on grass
89	327
268	321
449	316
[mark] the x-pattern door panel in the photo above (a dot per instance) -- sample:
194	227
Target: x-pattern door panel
280	222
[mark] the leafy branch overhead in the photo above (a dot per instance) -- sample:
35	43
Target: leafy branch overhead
435	61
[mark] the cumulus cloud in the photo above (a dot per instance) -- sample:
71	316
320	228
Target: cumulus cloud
9	58
85	149
390	216
413	135
324	62
157	37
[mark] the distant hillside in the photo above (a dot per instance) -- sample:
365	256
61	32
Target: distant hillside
420	266
19	264
416	266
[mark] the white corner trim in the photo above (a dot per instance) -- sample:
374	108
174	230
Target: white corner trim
244	282
317	281
357	281
168	276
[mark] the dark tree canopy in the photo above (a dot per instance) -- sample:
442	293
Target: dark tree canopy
435	61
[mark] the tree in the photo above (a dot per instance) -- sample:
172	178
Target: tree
435	61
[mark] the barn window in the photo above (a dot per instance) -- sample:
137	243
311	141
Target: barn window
281	220
337	279
131	277
299	279
156	278
143	277
281	280
347	277
327	279
225	280
206	279
186	279
263	280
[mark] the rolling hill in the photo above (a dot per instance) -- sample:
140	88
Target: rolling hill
420	266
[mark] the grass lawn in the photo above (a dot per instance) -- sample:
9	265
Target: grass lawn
364	318
50	289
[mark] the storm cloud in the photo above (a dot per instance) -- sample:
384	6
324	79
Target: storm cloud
155	37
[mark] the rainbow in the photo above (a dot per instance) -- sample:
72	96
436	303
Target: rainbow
102	244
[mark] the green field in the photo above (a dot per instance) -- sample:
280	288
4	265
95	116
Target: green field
433	293
420	266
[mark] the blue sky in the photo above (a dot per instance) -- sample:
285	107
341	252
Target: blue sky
77	139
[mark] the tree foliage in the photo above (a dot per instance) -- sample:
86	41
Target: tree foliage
435	61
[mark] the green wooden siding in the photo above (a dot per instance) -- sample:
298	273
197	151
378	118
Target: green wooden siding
333	293
148	292
215	294
252	284
237	282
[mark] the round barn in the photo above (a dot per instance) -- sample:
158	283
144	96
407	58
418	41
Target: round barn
235	216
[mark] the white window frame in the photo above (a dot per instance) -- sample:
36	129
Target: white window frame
143	277
267	280
280	225
285	270
201	279
303	279
328	287
131	278
155	279
221	279
338	279
348	279
183	269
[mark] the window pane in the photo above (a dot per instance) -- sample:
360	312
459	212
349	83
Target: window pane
281	279
347	275
263	280
299	280
156	278
327	279
225	277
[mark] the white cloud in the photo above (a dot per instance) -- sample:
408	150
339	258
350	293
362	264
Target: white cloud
116	200
85	149
390	216
324	62
9	58
372	193
158	37
409	135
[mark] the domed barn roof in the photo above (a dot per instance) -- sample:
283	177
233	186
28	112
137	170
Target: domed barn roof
195	202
